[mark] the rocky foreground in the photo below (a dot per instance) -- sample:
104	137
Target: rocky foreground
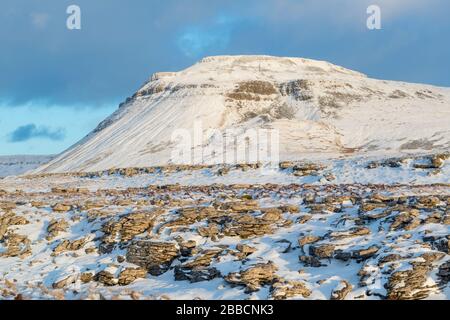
225	241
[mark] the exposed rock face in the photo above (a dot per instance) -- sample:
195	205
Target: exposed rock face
196	274
411	284
67	245
204	259
322	251
438	243
244	250
444	272
406	220
86	277
388	244
248	225
187	248
240	206
64	282
353	232
128	275
55	227
127	227
211	231
116	275
305	218
107	278
302	169
308	240
252	90
156	257
341	291
285	289
309	261
407	285
62	207
389	258
198	269
254	277
363	254
10	219
438	160
16	246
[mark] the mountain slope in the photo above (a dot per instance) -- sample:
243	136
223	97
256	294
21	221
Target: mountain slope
320	110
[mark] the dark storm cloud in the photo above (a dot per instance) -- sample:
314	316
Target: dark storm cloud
118	47
122	43
30	131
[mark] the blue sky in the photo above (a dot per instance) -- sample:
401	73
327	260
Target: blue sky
57	84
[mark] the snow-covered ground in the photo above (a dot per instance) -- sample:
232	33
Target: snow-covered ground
353	229
15	165
349	170
358	207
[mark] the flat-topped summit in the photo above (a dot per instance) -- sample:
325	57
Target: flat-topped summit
273	64
232	68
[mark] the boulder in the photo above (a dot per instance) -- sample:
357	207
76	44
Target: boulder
308	240
62	207
128	275
197	274
285	289
322	251
309	261
254	277
67	245
16	245
55	227
341	291
156	257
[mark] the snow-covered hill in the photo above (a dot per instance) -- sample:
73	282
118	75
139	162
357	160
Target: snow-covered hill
319	109
358	207
14	165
